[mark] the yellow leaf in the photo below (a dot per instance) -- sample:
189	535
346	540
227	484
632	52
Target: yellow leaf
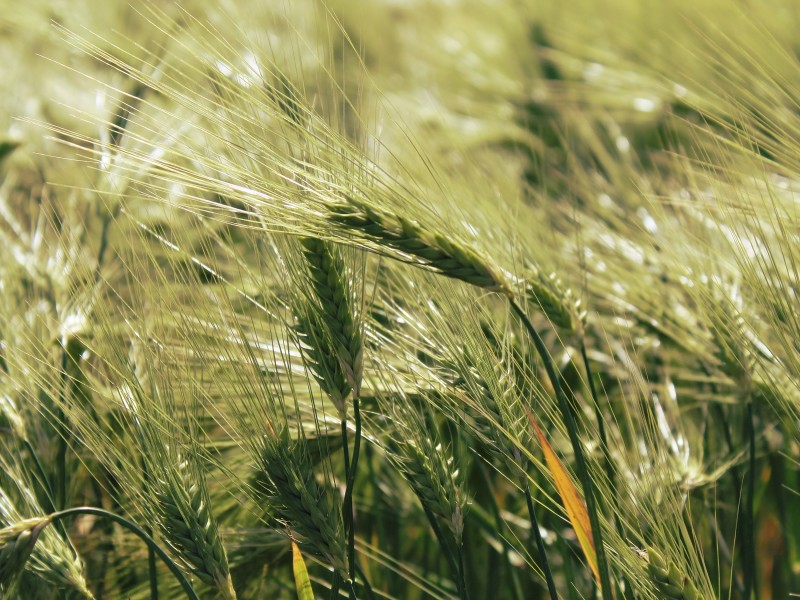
301	581
573	503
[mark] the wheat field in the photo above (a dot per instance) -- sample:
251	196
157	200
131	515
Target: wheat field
399	299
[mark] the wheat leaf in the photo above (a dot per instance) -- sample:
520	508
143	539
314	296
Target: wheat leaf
301	581
570	496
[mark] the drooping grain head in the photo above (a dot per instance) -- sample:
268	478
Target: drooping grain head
425	247
668	579
190	528
555	301
328	325
55	561
303	506
17	541
434	478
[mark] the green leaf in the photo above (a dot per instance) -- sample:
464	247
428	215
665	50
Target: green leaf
570	496
301	581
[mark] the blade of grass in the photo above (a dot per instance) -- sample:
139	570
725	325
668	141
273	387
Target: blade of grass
583	472
301	581
573	504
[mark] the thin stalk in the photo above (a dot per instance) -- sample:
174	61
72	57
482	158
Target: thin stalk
60	498
335	585
722	547
101	252
454	563
135	529
348	493
347	510
537	534
151	557
779	488
548	575
609	466
750	586
462	570
607	462
571	591
370	594
45	482
151	569
580	459
345	452
48	490
337	580
499	524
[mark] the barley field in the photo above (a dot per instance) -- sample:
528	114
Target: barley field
411	299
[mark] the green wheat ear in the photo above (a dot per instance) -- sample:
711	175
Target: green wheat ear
428	248
55	561
327	323
668	579
302	505
555	301
426	465
189	527
17	542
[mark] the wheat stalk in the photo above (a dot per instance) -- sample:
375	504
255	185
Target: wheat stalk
336	350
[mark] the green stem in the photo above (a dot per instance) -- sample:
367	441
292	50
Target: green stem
609	466
48	490
498	527
99	512
607	462
779	488
568	572
462	571
45	482
750	586
537	534
335	585
548	575
60	498
451	558
345	454
151	569
347	512
368	592
577	448
348	493
151	557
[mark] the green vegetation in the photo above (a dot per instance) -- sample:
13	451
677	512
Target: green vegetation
396	299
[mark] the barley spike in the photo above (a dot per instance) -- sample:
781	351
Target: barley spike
17	542
191	530
430	248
